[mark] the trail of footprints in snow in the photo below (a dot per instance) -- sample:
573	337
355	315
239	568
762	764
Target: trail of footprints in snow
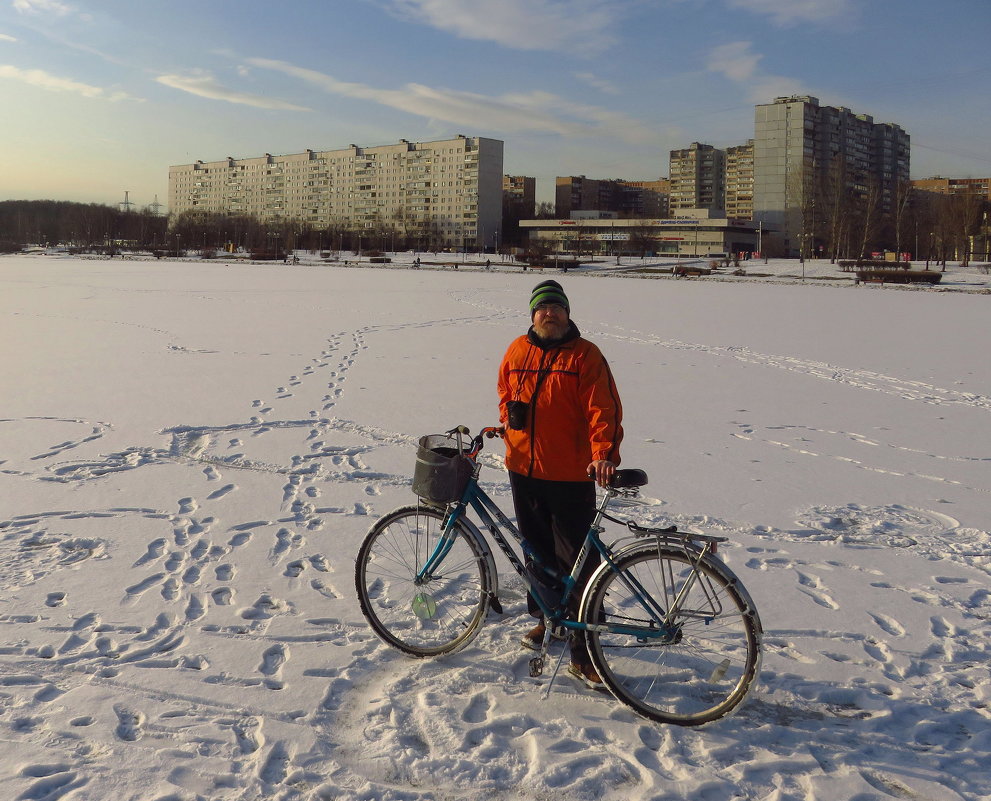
875	647
176	577
181	565
748	432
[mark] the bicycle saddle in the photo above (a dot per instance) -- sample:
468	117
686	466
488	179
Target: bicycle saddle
629	478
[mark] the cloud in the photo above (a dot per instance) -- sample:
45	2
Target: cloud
42	6
204	85
792	12
579	25
514	112
598	83
54	83
737	62
5	38
734	60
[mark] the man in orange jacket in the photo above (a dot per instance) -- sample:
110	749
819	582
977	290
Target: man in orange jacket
562	418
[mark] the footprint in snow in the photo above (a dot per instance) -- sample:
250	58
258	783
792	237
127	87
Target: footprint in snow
220	493
196	608
276	767
155	550
130	723
55	599
478	709
248	732
273	659
223	596
888	625
293	569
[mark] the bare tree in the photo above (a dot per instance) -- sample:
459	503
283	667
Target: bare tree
903	203
642	238
965	213
545	210
869	208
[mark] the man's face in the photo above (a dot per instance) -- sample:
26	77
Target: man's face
550	321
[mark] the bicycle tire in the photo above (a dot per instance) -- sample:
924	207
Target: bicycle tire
437	617
709	661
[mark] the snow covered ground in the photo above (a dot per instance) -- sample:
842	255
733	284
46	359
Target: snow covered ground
191	453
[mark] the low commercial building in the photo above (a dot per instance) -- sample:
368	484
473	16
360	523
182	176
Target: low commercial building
696	233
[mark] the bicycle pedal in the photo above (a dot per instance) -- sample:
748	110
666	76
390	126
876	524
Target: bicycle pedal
536	666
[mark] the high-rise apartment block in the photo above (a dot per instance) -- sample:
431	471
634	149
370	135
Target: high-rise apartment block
648	198
740	181
520	191
802	150
625	198
451	189
697	178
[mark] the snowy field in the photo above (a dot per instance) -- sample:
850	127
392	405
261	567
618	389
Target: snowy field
191	453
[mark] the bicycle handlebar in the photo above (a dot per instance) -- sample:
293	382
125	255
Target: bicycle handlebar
622	479
489	432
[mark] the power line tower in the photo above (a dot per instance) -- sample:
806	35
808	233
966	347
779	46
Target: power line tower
155	207
126	204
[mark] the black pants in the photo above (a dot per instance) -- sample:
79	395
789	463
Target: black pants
553	517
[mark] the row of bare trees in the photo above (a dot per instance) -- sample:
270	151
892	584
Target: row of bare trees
850	217
214	231
839	219
90	226
82	225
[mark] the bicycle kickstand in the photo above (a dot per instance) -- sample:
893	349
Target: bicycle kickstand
557	669
538	662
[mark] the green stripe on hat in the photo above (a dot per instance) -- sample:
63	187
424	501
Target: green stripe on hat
548	292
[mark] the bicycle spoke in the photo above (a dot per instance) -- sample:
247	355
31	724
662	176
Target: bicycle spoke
437	615
694	665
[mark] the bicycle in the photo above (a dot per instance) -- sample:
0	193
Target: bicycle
671	630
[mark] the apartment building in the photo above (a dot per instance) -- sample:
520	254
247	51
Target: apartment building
520	192
802	149
626	198
698	178
955	186
450	189
647	198
740	181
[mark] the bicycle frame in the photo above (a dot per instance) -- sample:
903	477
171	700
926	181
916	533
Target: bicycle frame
495	522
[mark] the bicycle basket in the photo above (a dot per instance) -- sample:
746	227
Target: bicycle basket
442	470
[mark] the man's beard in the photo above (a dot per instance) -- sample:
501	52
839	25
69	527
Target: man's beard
551	332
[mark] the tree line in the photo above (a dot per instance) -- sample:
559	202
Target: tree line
838	220
844	217
82	225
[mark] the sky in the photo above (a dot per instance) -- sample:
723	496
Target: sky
100	97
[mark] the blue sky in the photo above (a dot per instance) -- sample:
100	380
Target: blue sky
101	96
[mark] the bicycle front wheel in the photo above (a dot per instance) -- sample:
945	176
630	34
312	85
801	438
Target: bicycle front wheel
686	668
438	614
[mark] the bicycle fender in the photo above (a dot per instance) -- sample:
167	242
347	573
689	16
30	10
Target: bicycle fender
490	565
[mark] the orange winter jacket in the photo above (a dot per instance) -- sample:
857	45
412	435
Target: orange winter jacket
574	416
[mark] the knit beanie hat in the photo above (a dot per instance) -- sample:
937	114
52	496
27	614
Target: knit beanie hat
548	292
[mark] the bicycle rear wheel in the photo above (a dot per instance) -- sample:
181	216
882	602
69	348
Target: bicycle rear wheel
708	658
437	616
